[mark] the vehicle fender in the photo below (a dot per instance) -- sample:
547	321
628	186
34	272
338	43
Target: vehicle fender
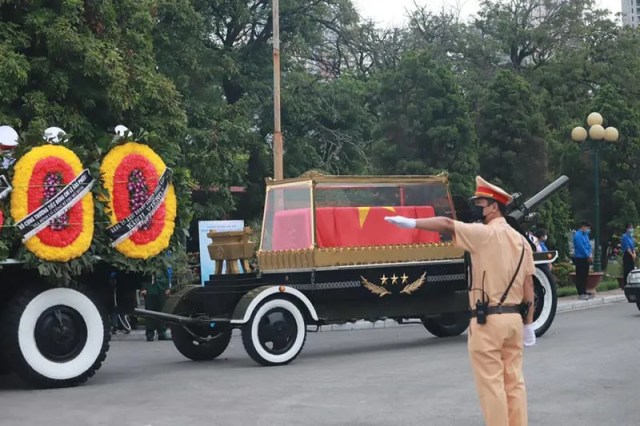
544	258
250	301
184	296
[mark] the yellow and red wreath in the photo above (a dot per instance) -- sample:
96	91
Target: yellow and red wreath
130	173
39	176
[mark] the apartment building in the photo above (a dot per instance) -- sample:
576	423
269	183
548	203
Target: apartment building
630	12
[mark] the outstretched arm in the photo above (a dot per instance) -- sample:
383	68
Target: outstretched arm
442	224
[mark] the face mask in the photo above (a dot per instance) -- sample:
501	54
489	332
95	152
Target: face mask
544	238
630	231
588	231
477	213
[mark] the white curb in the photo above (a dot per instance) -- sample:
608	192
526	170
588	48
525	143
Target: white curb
584	304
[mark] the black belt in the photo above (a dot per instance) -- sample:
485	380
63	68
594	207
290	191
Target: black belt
517	309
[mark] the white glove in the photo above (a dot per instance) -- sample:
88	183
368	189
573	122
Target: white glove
529	335
401	221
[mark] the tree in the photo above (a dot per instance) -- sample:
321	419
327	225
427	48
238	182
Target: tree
424	126
619	195
328	125
528	32
597	75
219	56
84	67
511	132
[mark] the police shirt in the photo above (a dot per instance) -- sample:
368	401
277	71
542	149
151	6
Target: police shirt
495	250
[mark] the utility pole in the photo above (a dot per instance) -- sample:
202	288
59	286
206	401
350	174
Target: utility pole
277	134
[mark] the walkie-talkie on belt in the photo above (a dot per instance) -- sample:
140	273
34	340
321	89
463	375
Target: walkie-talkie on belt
481	312
482	307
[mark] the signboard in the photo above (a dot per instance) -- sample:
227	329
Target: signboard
208	266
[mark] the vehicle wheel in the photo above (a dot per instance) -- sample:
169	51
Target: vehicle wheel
638	304
53	337
276	332
546	301
447	325
197	350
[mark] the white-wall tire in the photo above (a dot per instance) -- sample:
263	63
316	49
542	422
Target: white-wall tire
546	301
46	359
280	323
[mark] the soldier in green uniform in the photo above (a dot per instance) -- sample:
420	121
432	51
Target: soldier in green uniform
155	294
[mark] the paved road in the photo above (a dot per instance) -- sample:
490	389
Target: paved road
583	372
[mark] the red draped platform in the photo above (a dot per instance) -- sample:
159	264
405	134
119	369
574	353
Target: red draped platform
349	227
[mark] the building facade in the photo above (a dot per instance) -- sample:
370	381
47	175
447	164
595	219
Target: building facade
630	12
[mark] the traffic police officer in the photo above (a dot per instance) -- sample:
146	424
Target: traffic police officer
502	281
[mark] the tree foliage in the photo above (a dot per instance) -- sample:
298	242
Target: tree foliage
86	67
496	95
424	126
512	135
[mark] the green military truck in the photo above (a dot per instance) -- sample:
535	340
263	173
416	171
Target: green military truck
70	235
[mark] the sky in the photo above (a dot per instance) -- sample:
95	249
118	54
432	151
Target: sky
389	13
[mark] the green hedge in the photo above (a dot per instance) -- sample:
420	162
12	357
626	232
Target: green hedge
561	271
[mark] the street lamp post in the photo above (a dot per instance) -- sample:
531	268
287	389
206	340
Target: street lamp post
278	173
596	134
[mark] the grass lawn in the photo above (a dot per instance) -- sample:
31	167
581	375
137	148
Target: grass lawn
605	285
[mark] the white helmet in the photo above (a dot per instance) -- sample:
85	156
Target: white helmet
8	137
54	135
122	131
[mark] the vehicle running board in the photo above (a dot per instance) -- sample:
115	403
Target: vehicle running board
177	319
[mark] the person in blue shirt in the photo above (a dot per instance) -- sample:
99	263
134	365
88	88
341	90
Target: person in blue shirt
582	257
541	235
628	251
541	246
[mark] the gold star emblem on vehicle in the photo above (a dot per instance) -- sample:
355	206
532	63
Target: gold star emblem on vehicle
394	279
384	279
405	278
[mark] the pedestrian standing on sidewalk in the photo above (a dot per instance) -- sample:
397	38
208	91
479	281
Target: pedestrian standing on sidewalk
501	281
629	252
582	257
155	293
